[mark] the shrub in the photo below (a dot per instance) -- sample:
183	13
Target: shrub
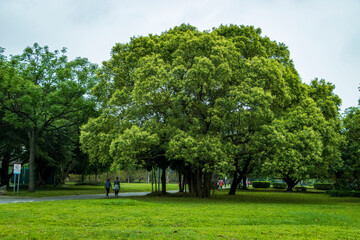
343	193
323	186
260	184
344	184
279	185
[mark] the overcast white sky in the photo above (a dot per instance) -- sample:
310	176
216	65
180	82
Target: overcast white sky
323	35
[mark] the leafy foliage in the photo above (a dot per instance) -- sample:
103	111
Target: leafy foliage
227	101
348	177
343	193
42	92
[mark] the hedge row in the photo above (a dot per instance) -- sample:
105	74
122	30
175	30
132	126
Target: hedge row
279	185
260	184
343	193
323	186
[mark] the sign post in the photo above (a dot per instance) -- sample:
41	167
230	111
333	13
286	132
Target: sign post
14	182
17	171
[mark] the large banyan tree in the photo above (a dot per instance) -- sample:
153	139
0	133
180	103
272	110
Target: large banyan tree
198	102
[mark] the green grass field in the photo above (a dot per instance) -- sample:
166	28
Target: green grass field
248	215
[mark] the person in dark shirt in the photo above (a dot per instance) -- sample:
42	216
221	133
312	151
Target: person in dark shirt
107	187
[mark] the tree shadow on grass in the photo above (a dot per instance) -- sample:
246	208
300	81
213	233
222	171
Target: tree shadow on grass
257	197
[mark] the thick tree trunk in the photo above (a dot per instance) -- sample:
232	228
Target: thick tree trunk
291	183
236	179
191	180
290	187
235	184
32	144
206	185
163	181
5	177
202	183
185	181
244	186
214	183
64	173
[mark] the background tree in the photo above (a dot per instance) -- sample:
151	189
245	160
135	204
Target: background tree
12	144
96	138
306	139
57	155
46	93
263	85
348	177
294	144
12	148
329	103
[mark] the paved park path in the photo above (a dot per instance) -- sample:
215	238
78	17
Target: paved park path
6	199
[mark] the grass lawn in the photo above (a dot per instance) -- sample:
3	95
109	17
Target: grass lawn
72	189
248	215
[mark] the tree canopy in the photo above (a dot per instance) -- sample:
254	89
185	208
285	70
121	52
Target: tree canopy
207	102
41	92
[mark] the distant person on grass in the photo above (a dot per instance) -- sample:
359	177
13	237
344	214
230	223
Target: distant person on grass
107	187
117	186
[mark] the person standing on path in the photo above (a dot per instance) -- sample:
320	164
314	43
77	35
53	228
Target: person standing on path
117	186
107	187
